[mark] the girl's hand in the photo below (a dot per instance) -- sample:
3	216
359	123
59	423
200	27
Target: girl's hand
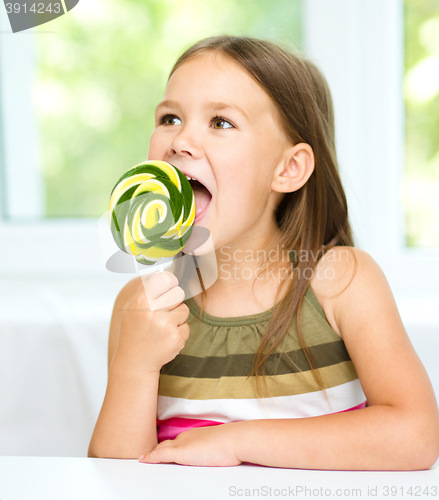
153	324
203	446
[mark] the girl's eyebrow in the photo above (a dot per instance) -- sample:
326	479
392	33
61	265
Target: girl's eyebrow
221	106
214	106
165	104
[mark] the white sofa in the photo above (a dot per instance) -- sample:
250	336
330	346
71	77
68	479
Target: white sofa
53	360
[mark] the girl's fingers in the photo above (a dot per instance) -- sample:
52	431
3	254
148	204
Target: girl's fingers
165	443
161	455
180	315
168	300
158	284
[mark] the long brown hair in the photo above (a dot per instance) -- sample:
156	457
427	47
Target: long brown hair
314	218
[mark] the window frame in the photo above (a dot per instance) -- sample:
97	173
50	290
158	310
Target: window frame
363	60
369	112
32	247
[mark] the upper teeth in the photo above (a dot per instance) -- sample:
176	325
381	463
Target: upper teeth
190	178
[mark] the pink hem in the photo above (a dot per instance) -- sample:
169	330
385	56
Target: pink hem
172	427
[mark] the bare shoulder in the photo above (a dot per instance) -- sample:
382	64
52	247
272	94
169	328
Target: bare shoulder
125	293
338	275
390	372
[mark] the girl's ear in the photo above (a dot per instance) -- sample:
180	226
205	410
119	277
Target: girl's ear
295	169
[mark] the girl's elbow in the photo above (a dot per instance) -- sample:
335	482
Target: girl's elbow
423	447
431	450
426	457
91	452
96	451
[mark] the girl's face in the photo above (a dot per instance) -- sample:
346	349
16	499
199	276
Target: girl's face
217	125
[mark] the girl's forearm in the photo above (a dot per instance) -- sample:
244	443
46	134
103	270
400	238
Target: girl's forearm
126	425
374	438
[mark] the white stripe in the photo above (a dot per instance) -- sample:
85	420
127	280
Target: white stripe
312	404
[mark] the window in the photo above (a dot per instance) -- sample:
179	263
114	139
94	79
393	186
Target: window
93	136
97	79
421	92
77	101
359	46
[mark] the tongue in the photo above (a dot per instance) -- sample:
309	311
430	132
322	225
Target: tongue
202	198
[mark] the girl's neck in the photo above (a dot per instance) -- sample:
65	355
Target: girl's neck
237	292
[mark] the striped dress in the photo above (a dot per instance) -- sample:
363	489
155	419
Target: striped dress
207	383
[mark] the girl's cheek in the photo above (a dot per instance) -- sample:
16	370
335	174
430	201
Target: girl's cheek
157	146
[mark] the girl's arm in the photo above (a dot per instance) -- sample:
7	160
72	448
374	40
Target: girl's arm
126	424
398	431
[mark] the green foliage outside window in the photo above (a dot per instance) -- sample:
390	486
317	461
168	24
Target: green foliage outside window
101	74
421	89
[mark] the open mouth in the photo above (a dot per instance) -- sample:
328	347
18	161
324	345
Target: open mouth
202	198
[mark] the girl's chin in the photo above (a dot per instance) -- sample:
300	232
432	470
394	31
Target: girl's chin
200	241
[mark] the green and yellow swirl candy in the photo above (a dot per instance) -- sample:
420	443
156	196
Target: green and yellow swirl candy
152	211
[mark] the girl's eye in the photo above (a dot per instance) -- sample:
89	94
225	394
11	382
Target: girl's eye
170	120
221	123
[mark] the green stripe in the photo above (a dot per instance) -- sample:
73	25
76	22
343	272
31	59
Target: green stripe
240	365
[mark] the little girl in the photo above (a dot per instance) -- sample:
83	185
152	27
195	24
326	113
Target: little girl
296	356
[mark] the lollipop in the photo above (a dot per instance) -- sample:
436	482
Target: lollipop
152	211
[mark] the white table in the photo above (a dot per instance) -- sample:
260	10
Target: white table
47	478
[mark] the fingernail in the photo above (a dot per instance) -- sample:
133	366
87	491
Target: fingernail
141	458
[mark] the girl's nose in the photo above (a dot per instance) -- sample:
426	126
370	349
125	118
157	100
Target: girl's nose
185	144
